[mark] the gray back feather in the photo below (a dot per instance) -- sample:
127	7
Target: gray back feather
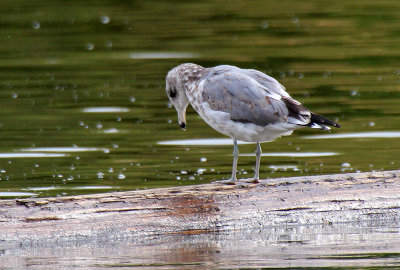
271	84
267	81
227	89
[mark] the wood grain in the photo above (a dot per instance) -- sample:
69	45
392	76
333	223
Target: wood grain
201	209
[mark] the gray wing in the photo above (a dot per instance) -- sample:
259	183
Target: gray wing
243	98
267	81
271	86
298	114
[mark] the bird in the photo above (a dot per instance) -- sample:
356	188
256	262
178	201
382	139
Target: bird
244	104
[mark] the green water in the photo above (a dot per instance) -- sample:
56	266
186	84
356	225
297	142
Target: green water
91	75
83	106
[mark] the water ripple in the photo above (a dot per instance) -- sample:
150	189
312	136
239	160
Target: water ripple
296	154
16	194
104	109
162	55
376	134
201	142
64	149
30	155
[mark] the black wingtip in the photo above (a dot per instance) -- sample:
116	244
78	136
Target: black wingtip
319	119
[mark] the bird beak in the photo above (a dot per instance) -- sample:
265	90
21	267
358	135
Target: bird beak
182	119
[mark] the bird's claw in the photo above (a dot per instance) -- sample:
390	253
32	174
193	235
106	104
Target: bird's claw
250	180
226	182
236	181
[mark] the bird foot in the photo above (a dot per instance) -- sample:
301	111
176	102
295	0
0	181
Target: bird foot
250	180
235	181
226	182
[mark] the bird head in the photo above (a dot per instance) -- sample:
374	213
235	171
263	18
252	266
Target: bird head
177	95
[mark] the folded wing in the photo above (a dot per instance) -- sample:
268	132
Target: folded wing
250	96
248	101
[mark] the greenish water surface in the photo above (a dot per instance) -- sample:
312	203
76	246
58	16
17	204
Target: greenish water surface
83	106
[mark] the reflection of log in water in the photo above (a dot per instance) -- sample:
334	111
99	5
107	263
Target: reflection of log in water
202	209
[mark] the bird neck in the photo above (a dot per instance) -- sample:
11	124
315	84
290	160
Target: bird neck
191	75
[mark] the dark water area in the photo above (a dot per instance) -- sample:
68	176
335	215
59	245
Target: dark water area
83	106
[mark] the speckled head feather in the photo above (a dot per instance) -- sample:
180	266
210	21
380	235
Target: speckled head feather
179	80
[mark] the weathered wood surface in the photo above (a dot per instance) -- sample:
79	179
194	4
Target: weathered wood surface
327	199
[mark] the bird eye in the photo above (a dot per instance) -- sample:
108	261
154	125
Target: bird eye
172	93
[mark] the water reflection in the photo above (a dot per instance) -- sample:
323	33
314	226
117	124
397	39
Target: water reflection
64	149
113	131
275	168
340	246
163	55
31	155
296	154
201	142
94	187
16	194
64	188
104	110
42	188
358	135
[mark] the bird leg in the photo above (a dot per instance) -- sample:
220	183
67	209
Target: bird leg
232	180
256	178
235	160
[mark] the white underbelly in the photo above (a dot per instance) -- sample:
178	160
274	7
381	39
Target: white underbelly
247	132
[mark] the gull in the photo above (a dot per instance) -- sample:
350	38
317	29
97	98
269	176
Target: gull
244	104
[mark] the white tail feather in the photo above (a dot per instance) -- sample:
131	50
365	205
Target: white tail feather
319	126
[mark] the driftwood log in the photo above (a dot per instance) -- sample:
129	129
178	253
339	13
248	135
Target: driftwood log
326	199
